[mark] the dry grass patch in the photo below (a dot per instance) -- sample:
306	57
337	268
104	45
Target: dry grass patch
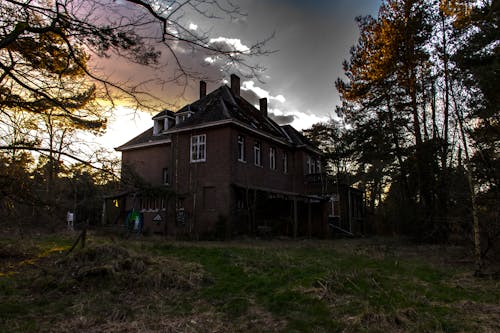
125	268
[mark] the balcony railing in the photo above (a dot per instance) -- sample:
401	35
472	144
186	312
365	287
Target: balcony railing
315	178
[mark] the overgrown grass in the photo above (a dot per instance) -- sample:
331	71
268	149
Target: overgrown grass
247	287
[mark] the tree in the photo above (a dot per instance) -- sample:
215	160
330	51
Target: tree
48	52
398	100
420	94
383	99
49	64
478	61
331	137
46	48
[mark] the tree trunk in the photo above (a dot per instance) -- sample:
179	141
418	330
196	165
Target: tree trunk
476	229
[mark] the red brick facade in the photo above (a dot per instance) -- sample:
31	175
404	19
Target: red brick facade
227	192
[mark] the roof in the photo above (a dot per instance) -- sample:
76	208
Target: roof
221	106
146	138
165	113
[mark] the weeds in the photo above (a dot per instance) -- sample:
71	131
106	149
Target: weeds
155	286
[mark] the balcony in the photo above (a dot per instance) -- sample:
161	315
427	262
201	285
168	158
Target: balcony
315	178
315	183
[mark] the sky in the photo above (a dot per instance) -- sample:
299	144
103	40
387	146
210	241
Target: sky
311	40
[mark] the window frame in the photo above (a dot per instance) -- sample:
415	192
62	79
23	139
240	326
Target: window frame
272	158
257	154
241	148
198	151
285	162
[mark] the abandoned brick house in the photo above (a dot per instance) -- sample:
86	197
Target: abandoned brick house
227	169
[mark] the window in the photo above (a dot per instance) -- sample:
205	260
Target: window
272	158
318	166
241	148
149	204
285	162
166	178
159	127
179	118
198	148
256	154
310	165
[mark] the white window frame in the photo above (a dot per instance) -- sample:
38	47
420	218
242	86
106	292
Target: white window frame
257	157
198	148
272	158
241	148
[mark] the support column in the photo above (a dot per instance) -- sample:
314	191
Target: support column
104	213
309	218
295	218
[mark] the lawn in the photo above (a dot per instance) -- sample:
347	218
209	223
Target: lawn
152	285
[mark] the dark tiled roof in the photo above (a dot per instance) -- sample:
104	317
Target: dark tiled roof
221	104
298	139
164	113
295	136
145	137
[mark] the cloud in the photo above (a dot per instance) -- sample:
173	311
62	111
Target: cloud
228	44
304	120
299	120
193	26
261	93
210	60
282	120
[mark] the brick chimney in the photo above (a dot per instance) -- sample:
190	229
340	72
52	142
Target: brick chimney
263	106
235	84
203	89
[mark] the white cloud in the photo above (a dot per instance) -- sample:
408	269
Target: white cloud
193	26
261	93
229	44
304	120
210	60
280	98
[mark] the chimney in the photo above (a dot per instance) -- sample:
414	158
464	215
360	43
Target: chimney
235	84
203	89
263	106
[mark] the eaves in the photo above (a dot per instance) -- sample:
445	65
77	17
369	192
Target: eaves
149	143
230	122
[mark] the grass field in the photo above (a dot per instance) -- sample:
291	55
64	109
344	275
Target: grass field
151	285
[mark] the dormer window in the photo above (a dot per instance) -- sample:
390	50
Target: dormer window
159	126
181	116
162	124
